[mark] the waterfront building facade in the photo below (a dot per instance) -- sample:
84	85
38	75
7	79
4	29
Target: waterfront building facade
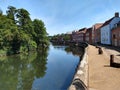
96	33
116	35
106	34
88	36
79	36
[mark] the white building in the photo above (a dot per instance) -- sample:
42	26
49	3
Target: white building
106	29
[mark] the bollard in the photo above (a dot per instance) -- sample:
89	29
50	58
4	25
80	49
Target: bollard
100	50
96	46
111	60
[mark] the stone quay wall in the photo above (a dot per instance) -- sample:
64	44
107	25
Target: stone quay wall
80	80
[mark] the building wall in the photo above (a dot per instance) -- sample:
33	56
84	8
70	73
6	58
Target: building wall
114	21
98	36
116	36
105	35
81	37
93	35
97	33
106	31
78	37
88	37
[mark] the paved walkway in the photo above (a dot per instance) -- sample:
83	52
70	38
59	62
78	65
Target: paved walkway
108	50
101	75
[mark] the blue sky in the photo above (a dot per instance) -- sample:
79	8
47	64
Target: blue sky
61	16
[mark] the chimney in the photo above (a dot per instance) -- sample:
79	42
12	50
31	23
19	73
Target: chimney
117	14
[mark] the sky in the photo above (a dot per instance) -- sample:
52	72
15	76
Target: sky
61	16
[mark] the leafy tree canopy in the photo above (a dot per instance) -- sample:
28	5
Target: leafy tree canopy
19	33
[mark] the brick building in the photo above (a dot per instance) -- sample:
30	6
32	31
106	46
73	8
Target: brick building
88	36
96	33
106	29
79	36
116	35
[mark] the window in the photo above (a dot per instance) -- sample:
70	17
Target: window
114	36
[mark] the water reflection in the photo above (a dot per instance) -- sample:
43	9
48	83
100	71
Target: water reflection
78	51
18	72
35	72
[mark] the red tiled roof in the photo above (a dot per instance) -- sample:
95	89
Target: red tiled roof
98	25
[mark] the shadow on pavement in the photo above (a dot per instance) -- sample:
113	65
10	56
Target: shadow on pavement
118	55
110	47
106	65
116	65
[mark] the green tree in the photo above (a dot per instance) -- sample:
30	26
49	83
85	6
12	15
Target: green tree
66	37
23	17
1	12
40	34
11	13
26	28
9	33
19	33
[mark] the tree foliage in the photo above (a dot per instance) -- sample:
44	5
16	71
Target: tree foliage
40	34
19	33
11	12
61	37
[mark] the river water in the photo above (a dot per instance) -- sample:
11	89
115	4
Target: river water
48	69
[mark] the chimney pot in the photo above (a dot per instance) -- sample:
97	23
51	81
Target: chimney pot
117	14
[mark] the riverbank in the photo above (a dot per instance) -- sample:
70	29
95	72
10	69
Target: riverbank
94	71
80	80
101	75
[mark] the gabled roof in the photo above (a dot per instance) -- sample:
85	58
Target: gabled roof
83	30
89	29
107	22
97	25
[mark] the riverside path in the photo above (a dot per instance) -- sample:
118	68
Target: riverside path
101	75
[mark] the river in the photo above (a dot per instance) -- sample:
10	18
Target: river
48	69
